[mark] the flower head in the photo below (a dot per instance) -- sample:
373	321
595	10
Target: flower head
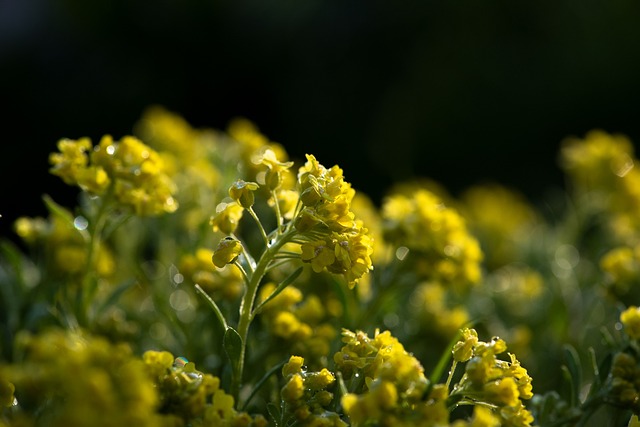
227	252
242	192
227	217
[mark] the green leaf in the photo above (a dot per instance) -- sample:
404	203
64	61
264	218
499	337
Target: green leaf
58	210
568	391
274	411
232	343
213	305
286	282
574	368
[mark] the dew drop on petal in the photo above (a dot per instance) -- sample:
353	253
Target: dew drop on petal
180	361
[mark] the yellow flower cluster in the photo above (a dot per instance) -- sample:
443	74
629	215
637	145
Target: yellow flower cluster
431	307
75	380
444	249
64	241
602	167
190	397
500	218
306	396
334	239
630	319
488	379
622	268
193	158
388	383
301	321
128	169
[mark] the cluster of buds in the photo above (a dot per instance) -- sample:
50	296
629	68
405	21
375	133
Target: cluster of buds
318	213
443	249
489	380
190	397
386	384
306	396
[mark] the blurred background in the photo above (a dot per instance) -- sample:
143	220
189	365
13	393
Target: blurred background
458	91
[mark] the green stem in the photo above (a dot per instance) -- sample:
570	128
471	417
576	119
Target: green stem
255	217
89	277
276	204
451	372
246	305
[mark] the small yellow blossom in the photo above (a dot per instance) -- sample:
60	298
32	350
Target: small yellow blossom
463	349
630	318
242	192
226	252
294	389
71	159
293	366
503	392
227	217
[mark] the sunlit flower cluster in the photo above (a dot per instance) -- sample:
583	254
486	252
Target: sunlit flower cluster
602	167
334	239
63	239
307	395
622	268
77	379
432	308
193	158
500	218
300	320
253	272
388	383
444	250
502	384
128	169
191	397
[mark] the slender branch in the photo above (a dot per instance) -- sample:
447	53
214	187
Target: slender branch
255	217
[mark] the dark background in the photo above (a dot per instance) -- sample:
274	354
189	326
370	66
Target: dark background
458	91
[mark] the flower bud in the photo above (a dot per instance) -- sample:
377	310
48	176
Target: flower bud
227	252
242	192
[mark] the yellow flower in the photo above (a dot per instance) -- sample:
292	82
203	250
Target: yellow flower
293	389
503	392
275	168
463	349
319	380
319	253
442	247
158	362
293	366
71	159
93	179
630	318
227	252
227	217
242	192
